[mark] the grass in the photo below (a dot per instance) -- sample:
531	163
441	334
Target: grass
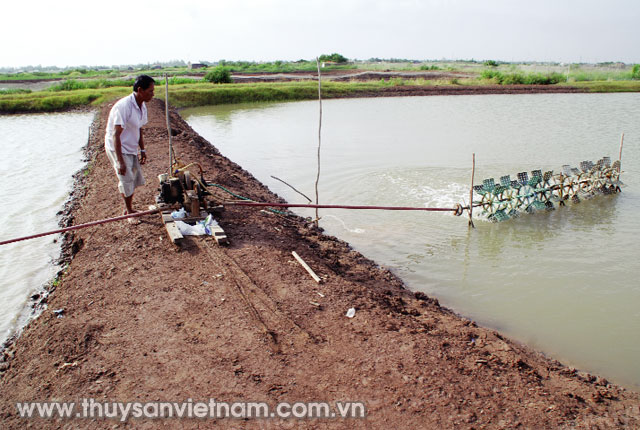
606	86
520	78
207	94
14	91
72	84
77	73
234	66
46	101
280	66
187	92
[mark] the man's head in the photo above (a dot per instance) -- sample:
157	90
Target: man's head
144	87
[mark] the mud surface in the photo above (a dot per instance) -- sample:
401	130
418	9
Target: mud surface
144	321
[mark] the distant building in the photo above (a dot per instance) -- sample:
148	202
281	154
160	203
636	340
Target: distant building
196	66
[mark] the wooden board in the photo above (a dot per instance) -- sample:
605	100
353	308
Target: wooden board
173	231
219	235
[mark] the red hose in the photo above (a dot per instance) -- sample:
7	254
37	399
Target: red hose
79	226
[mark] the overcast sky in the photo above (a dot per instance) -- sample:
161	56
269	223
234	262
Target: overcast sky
114	32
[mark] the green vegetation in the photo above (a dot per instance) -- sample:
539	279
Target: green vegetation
219	75
335	57
519	78
606	86
279	66
15	91
72	84
74	73
82	87
206	94
45	101
580	74
176	80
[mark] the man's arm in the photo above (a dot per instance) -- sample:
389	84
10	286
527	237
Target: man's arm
118	147
143	153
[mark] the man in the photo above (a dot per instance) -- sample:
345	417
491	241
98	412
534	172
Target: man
123	137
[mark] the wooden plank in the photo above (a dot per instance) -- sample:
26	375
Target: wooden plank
173	231
306	267
219	235
190	219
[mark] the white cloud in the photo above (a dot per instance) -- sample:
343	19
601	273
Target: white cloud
73	32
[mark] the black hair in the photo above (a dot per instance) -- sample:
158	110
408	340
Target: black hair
143	82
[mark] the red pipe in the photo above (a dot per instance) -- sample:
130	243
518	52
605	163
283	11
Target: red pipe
79	226
294	205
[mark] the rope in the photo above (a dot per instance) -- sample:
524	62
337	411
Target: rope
80	226
245	198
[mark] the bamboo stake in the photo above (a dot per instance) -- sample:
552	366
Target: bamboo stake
473	171
620	154
166	111
319	133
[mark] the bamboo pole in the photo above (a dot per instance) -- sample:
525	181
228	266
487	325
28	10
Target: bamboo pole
473	172
166	111
319	134
620	154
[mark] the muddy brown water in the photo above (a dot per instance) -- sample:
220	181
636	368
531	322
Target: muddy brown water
40	153
564	282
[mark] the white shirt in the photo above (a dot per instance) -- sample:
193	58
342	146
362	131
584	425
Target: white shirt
127	114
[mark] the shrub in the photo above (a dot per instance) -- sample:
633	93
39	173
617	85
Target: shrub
513	79
219	75
492	74
335	57
491	63
635	72
68	85
518	78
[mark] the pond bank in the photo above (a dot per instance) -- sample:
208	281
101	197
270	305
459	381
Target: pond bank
143	322
200	94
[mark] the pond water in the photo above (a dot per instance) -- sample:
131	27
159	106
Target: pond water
564	282
40	154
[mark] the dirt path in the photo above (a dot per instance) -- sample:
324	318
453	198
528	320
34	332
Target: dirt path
143	322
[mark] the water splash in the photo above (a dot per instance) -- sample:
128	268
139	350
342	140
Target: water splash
350	230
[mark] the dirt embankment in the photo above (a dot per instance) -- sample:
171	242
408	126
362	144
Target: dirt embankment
143	321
